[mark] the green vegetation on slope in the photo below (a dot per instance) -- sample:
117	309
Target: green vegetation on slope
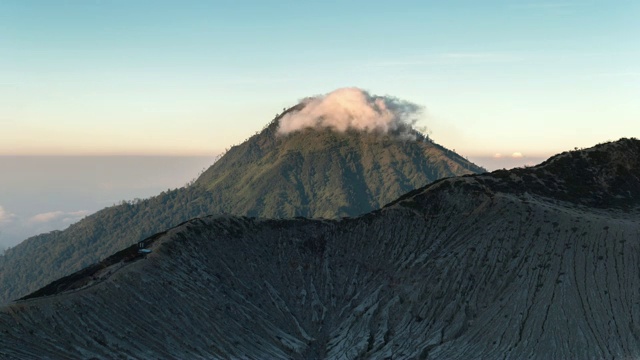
321	173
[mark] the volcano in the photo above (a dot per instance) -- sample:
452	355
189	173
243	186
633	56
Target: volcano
314	172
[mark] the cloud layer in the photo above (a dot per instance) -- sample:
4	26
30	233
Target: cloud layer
5	216
515	155
66	217
353	109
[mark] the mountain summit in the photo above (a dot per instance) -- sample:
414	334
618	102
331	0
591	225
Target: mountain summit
358	154
473	267
325	173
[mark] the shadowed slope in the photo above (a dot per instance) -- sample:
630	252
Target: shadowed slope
470	267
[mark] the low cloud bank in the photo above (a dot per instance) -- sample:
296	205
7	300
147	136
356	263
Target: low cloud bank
15	228
5	216
65	217
515	155
354	109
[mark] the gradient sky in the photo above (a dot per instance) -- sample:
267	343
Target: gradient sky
194	77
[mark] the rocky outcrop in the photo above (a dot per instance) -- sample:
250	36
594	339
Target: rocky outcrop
469	267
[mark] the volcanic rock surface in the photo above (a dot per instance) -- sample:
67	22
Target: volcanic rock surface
537	263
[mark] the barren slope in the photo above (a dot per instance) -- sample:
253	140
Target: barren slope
472	267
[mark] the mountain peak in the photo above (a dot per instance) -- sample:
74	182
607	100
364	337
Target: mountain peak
322	171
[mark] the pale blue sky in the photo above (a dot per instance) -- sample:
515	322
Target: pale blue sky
194	77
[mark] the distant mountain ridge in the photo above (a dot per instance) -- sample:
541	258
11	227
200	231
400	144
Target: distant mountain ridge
311	173
603	176
474	267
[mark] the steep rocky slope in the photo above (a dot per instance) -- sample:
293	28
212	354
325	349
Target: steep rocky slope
488	266
312	173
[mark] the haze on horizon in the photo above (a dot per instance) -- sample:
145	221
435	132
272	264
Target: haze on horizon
39	194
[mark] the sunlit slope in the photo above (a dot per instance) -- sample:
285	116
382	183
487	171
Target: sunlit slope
479	267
